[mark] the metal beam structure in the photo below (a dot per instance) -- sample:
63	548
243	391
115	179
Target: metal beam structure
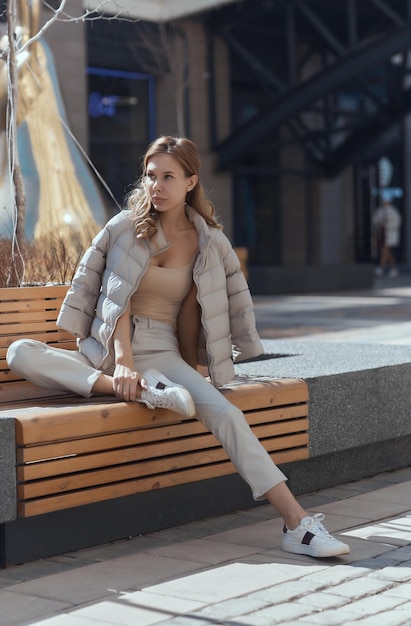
334	73
154	10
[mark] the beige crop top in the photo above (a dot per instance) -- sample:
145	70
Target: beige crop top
161	292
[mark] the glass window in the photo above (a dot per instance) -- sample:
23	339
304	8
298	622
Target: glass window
121	125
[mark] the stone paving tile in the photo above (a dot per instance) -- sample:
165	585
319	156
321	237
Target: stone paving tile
337	522
288	591
279	594
394	494
358	587
60	620
188	620
398	617
203	551
362	550
375	605
375	563
368	510
395	574
16	608
335	617
229	581
107	578
139	608
338	574
265	534
323	601
287	558
5	581
403	590
258	513
234	607
117	549
395	477
331	494
37	569
396	532
278	614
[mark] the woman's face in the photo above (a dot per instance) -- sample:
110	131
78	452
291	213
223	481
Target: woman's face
166	183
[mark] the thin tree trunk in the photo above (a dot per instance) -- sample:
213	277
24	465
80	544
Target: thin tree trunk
12	103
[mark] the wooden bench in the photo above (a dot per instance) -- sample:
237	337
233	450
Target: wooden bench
71	452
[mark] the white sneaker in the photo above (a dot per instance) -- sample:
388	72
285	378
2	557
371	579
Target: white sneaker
311	538
393	273
164	394
379	271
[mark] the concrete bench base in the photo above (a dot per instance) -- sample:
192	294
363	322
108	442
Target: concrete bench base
359	406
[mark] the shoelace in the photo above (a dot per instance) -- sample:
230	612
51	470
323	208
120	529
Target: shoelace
155	399
314	524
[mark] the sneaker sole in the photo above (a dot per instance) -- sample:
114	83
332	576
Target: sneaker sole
316	552
189	403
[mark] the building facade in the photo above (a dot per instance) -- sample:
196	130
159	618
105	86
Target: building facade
292	106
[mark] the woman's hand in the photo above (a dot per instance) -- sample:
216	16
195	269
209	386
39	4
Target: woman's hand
127	383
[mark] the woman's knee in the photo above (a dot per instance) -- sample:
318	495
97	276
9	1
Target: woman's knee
17	353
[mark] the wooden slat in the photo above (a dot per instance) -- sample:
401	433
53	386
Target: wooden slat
108	442
32	318
29	308
40	424
78	482
44	298
153	467
47	333
16	392
58	338
150	467
119	456
24	294
259	393
45	424
295	416
139	485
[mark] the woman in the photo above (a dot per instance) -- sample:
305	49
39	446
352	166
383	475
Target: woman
160	279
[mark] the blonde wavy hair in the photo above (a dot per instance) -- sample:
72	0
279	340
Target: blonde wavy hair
185	152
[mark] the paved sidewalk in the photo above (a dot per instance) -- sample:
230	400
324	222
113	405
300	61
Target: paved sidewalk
230	570
379	315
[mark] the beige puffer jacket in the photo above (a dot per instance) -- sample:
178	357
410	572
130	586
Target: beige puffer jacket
110	272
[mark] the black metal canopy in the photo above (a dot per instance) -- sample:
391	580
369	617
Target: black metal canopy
335	74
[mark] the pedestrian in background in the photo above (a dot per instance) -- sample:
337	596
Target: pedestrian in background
387	224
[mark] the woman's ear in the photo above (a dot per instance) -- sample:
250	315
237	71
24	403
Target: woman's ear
192	182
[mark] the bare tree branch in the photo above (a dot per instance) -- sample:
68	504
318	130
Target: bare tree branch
11	126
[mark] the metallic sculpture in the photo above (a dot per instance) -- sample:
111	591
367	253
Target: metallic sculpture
62	197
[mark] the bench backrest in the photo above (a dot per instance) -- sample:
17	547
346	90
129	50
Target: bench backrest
28	312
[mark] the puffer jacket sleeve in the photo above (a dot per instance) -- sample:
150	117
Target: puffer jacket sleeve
79	305
244	336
